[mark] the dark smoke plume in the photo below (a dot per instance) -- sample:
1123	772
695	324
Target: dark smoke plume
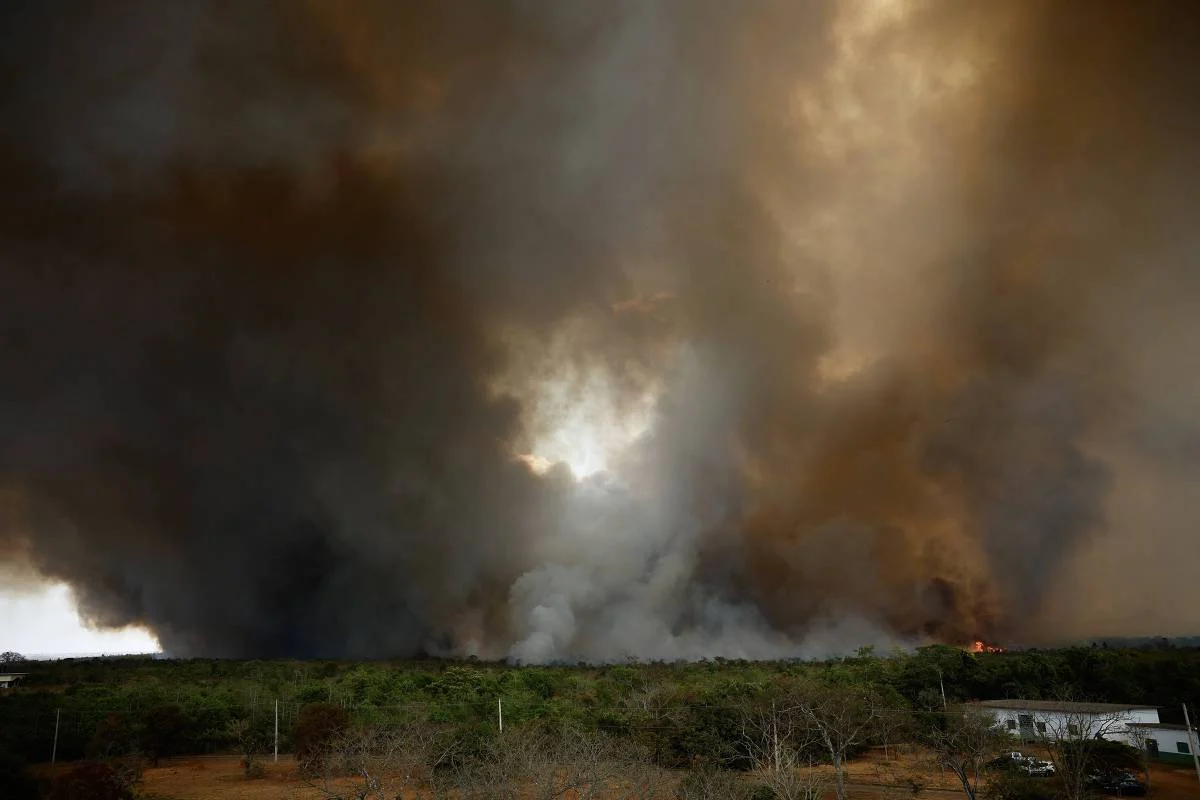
547	330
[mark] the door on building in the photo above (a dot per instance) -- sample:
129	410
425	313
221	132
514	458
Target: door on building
1026	723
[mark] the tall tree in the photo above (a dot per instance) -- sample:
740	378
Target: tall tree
317	725
779	741
1075	738
843	717
252	738
1139	739
962	740
163	730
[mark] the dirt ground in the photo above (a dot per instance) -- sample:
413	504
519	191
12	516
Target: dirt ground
1174	784
903	766
221	778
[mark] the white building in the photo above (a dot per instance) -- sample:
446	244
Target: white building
1166	742
1050	720
10	679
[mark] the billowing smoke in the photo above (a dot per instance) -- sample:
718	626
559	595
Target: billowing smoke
597	329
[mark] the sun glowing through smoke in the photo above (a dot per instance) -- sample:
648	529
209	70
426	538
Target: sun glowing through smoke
589	438
585	425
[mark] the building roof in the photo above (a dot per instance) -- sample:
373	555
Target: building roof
1167	726
1062	706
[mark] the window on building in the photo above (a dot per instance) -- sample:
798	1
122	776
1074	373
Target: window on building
1012	724
1073	730
1183	748
1041	727
1152	746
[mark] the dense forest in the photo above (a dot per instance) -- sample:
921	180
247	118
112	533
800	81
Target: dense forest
630	697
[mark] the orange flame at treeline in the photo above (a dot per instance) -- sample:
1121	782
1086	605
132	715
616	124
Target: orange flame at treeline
980	646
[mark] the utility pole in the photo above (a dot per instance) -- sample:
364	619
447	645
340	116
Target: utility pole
277	731
54	751
1192	741
500	713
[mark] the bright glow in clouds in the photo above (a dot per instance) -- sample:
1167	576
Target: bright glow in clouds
585	428
46	623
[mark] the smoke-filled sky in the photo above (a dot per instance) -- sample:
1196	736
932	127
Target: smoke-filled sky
585	330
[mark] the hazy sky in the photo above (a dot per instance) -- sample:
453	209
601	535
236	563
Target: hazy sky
579	331
45	623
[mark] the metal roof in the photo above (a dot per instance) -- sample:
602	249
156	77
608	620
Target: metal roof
1063	706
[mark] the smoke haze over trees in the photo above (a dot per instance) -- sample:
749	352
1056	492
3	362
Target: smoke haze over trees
541	330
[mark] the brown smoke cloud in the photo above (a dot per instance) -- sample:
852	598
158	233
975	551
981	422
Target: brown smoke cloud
858	323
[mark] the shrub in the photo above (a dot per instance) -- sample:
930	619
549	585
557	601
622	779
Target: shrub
708	783
538	682
15	781
316	726
251	737
91	781
710	735
1016	786
113	738
164	728
1102	755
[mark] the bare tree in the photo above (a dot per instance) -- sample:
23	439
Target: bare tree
251	740
650	707
641	778
532	762
477	776
424	748
652	703
1072	736
576	763
1139	739
380	763
706	782
796	784
779	741
892	729
355	763
963	740
843	718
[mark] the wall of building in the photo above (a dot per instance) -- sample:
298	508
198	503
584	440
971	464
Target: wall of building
1168	744
1052	725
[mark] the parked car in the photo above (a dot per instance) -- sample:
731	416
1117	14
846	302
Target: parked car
1015	761
1005	763
1122	784
1037	768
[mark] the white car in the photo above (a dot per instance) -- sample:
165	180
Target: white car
1037	768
